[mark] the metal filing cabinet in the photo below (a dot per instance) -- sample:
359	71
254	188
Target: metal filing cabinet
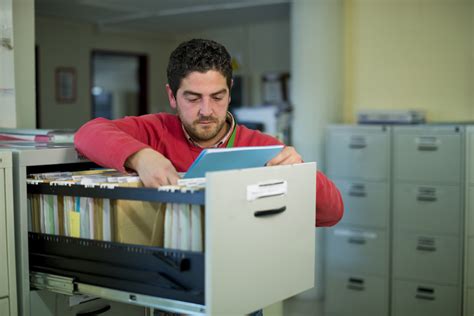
427	219
357	249
469	227
8	300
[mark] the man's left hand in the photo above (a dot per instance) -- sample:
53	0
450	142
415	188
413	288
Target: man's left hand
287	156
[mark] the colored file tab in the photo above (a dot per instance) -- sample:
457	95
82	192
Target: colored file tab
218	159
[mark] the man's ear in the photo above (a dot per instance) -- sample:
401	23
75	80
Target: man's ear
171	97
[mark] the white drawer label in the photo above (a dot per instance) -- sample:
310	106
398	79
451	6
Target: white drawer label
266	189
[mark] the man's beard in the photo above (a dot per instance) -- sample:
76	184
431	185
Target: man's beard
198	133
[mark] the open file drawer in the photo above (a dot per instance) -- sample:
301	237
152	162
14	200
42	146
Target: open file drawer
249	261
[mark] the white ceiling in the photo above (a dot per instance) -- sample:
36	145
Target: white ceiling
164	16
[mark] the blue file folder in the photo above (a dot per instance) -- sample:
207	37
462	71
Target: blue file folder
217	159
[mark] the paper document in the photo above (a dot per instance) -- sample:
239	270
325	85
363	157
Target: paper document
217	159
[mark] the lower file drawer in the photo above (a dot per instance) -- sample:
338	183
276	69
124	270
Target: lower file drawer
424	299
4	307
427	207
367	203
356	295
430	258
358	250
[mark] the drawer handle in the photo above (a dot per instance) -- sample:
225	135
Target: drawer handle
355	287
270	212
425	297
425	248
357	146
425	198
355	240
356	284
355	193
427	143
96	312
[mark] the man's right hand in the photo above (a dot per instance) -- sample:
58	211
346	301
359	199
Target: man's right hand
153	168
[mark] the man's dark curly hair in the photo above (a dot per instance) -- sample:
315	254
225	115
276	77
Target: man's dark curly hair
198	55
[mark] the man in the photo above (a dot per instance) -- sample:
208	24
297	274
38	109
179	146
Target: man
158	146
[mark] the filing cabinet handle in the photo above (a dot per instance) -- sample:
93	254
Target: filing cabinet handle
270	212
357	142
425	297
427	144
425	198
357	145
355	287
96	312
356	240
425	248
356	284
356	193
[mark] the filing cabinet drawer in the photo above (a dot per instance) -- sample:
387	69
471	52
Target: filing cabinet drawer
366	203
427	208
358	251
356	295
470	262
4	307
425	299
427	154
358	152
3	239
470	302
429	258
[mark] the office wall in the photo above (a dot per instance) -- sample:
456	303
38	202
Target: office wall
259	48
69	44
23	36
410	54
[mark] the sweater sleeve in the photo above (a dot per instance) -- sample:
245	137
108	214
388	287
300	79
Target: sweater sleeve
109	143
329	204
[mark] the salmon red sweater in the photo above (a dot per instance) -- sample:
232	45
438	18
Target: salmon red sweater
110	143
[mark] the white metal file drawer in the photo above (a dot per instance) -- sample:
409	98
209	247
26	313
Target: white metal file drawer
427	208
425	299
425	257
358	152
356	295
470	262
366	203
427	154
4	307
358	251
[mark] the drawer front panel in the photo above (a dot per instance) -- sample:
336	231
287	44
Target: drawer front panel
427	208
425	299
358	251
427	157
358	155
366	203
4	307
3	240
426	257
470	262
356	295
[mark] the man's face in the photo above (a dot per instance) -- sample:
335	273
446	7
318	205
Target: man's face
202	101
